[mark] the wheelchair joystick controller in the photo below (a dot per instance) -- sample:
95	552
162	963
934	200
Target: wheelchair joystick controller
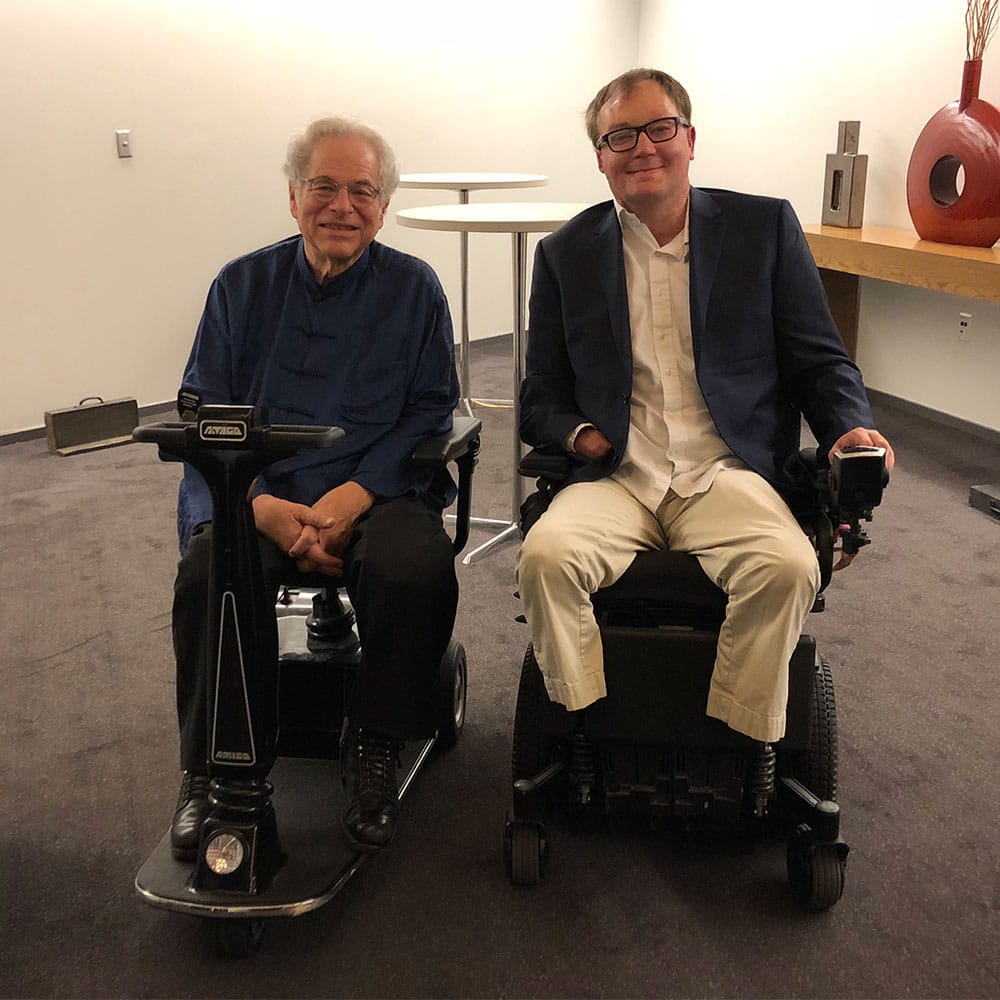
240	849
856	480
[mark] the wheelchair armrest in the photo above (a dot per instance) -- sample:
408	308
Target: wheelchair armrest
548	466
450	446
545	463
815	469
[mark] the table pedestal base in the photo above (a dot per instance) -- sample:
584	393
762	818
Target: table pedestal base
519	220
510	533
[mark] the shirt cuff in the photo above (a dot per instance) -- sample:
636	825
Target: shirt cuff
573	434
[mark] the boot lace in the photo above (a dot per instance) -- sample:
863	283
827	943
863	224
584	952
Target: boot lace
378	759
193	786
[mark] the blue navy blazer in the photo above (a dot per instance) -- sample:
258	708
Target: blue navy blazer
766	349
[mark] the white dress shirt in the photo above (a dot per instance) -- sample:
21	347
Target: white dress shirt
673	442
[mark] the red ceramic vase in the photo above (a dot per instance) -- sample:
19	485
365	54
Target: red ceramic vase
963	135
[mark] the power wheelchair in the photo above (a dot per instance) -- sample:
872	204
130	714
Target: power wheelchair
270	847
648	748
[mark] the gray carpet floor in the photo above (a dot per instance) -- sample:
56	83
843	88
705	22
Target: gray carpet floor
89	776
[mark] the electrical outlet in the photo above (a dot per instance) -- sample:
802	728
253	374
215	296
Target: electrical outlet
965	327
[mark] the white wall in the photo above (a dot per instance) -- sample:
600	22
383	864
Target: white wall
105	263
769	82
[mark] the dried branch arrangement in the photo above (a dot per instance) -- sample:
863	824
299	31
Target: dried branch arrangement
981	19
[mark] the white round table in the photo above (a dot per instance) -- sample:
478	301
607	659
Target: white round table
463	183
466	181
518	219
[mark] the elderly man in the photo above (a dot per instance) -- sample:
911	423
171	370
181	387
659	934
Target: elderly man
330	327
676	335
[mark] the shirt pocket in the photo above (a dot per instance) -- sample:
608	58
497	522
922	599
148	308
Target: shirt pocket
375	393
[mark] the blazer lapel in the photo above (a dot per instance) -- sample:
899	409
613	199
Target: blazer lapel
610	260
705	231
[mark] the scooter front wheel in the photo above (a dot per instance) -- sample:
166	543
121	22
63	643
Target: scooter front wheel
238	937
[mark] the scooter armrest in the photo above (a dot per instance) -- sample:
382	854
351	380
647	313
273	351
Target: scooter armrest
449	446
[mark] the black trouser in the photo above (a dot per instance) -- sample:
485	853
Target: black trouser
400	576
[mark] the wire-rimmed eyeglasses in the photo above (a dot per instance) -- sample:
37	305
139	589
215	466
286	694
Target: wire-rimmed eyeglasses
326	189
621	140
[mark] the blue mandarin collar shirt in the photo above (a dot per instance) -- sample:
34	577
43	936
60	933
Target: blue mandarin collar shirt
371	351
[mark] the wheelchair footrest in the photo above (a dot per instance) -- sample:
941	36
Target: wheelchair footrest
678	783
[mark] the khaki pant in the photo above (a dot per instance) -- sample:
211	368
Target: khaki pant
746	540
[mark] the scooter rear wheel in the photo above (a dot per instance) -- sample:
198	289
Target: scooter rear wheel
451	695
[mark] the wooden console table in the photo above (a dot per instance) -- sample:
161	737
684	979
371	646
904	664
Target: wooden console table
845	256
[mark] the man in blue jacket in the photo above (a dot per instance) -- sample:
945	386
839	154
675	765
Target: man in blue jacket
330	327
676	336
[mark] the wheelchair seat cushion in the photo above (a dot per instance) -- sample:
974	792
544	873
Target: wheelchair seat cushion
661	578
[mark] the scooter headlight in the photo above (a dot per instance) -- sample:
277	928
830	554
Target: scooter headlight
224	853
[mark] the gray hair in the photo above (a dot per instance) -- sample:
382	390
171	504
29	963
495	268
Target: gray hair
623	84
300	149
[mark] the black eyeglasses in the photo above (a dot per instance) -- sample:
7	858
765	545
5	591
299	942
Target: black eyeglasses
323	190
621	140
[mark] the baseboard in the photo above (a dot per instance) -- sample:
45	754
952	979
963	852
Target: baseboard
876	396
935	416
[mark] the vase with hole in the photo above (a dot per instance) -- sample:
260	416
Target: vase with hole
953	181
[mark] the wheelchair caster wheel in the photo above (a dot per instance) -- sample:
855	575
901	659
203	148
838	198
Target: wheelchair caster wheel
524	847
815	871
237	937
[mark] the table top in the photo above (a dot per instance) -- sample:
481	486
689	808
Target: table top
900	256
459	181
492	217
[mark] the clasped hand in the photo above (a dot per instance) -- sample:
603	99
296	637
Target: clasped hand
315	537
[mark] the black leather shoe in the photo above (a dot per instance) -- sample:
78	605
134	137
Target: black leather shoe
192	810
368	764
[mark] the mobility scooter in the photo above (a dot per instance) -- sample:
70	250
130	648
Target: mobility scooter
271	846
648	748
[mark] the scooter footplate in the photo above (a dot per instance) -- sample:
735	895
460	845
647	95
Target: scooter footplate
308	802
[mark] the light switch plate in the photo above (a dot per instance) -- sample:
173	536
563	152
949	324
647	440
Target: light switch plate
123	138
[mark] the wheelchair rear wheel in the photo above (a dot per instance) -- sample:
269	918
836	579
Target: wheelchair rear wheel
816	766
817	769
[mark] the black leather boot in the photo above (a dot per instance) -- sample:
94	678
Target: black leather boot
192	810
368	765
